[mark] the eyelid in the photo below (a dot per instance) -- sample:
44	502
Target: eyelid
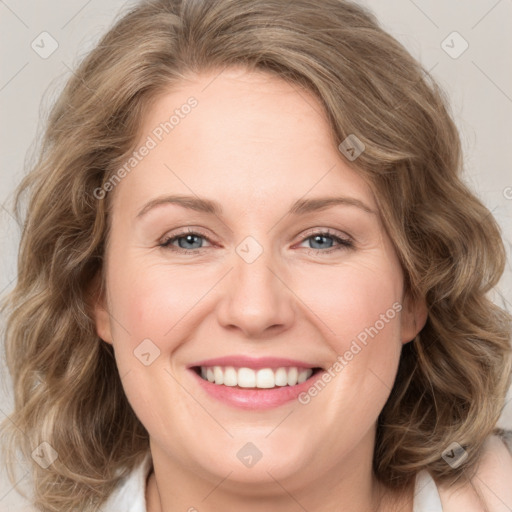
343	240
182	232
326	231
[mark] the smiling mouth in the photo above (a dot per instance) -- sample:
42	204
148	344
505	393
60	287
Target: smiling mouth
261	378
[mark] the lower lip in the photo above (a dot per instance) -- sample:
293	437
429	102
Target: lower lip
255	398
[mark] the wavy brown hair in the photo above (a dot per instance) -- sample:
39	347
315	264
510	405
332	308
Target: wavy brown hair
452	378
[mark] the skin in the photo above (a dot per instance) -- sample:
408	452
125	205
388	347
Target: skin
489	489
256	145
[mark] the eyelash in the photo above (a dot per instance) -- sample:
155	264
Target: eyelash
343	243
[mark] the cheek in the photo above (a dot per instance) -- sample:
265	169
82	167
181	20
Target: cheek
349	300
359	311
149	300
147	307
361	306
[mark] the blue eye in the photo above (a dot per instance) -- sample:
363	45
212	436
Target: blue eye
321	238
187	242
192	242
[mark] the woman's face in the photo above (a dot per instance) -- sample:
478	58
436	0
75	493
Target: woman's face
244	248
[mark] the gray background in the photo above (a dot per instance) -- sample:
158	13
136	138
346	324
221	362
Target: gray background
478	82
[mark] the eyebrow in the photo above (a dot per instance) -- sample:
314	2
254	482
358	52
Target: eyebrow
300	207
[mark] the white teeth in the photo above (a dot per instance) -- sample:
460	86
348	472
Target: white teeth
219	375
264	378
281	377
303	375
230	378
246	378
293	373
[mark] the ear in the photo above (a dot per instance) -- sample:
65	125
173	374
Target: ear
100	310
414	317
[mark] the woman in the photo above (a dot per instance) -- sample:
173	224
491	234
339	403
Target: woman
181	339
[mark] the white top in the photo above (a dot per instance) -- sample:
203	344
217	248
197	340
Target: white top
130	496
426	496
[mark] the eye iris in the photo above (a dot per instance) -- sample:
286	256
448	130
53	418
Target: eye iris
196	242
189	239
320	239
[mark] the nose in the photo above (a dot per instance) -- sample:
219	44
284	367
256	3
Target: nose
255	298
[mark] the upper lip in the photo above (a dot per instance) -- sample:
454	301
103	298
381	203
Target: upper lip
241	361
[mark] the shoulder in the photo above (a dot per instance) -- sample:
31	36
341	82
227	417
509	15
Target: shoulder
490	489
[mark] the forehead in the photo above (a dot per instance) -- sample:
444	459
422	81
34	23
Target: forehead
250	137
